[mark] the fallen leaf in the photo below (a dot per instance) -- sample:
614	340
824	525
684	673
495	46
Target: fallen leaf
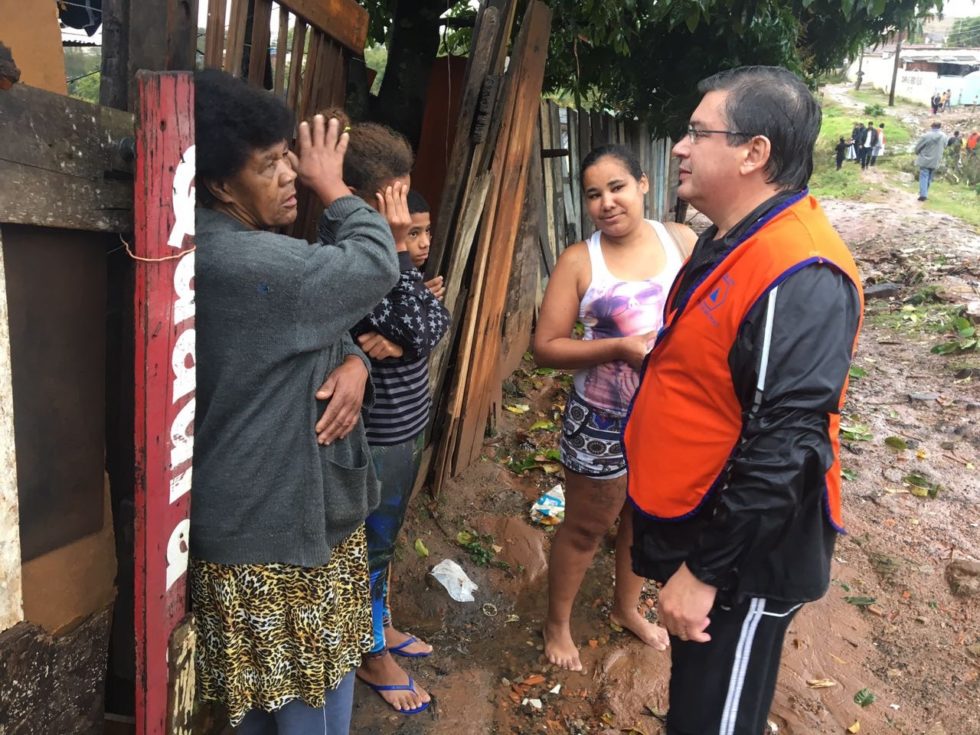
896	442
859	600
615	626
656	712
821	683
518	408
420	548
551	469
864	697
543	425
533	680
856	727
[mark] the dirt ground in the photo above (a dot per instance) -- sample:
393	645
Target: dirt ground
890	623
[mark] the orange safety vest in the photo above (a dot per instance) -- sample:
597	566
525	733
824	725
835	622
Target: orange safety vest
686	419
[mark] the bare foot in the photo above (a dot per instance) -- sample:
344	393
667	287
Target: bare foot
560	648
383	671
651	634
395	638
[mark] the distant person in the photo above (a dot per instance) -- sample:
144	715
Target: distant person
732	440
870	140
929	150
954	148
948	101
615	284
852	149
879	149
841	151
971	143
858	135
936	101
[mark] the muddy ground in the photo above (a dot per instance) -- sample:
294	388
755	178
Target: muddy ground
890	623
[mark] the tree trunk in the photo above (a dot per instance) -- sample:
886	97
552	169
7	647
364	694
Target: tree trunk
412	50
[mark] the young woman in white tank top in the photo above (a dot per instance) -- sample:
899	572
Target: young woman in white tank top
616	284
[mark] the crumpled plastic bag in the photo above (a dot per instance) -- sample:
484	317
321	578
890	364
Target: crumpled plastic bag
451	576
549	509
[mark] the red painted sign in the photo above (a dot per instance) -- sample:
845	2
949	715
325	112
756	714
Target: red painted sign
165	377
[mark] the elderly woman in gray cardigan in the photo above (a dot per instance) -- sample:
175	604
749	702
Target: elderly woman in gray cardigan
283	478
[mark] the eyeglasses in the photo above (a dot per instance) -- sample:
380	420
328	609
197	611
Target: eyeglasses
696	134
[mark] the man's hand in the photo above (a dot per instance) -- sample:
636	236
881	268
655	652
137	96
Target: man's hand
344	389
377	347
685	602
437	286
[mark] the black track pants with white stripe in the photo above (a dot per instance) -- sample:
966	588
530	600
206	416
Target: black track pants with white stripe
725	686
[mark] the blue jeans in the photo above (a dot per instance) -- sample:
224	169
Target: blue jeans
396	466
925	179
298	718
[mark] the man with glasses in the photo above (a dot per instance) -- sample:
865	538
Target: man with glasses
732	441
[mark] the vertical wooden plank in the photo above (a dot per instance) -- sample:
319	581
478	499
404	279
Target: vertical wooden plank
311	73
279	78
164	379
236	37
547	190
296	64
511	167
460	174
584	146
258	53
214	37
572	197
11	601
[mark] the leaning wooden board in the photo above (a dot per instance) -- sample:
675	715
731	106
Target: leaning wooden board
511	164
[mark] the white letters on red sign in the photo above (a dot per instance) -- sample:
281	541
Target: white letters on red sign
182	362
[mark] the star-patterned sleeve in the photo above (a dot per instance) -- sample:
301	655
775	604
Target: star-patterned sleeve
410	315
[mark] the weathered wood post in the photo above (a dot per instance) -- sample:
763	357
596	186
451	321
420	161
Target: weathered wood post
165	384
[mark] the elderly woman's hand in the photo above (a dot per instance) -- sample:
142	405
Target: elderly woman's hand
344	389
321	158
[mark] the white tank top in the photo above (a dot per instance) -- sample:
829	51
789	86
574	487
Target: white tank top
613	308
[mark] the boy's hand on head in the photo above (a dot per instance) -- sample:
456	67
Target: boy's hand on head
393	205
437	287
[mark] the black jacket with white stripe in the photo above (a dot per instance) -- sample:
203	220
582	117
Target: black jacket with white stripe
767	533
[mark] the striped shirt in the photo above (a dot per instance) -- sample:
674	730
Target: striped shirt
413	318
401	401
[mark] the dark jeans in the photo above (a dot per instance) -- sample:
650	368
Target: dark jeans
298	718
396	466
725	686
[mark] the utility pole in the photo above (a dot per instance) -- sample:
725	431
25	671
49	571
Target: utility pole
898	57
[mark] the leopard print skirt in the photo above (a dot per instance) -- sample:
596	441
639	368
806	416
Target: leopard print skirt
272	633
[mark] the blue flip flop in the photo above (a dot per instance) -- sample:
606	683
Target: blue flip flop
410	687
399	650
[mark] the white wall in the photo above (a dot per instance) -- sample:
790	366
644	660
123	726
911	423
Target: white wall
914	86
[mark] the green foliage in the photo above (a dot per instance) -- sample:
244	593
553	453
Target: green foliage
874	110
86	88
644	58
964	339
376	59
965	33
